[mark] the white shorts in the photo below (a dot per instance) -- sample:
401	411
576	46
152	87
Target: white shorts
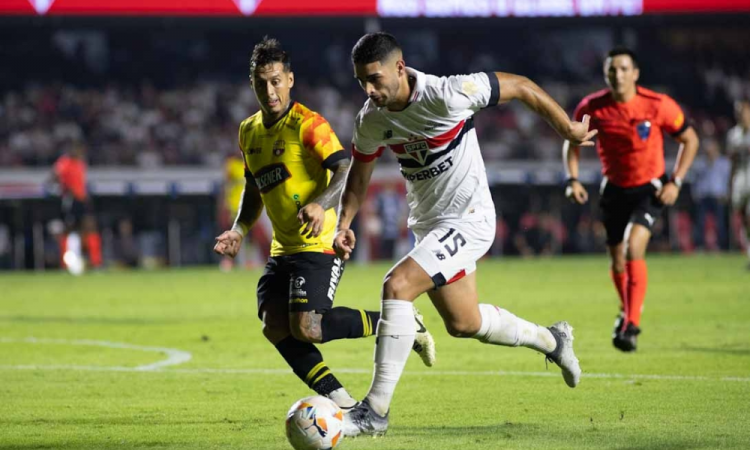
450	250
741	191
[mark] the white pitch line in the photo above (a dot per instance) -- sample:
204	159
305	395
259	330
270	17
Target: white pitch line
174	356
463	373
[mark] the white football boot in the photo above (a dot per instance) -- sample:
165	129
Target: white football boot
563	354
424	344
362	419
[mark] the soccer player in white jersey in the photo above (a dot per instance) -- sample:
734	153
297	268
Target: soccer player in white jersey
738	147
427	122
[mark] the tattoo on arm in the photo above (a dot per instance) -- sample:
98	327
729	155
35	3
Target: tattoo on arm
330	196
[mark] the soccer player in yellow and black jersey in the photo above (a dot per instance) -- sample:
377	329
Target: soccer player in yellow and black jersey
289	151
234	185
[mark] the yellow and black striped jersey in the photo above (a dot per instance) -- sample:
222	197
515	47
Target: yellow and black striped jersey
289	162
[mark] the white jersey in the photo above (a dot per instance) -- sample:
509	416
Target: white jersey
436	145
738	147
738	143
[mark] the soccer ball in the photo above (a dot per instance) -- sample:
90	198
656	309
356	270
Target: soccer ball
314	423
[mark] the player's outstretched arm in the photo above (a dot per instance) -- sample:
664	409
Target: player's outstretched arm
352	199
689	143
312	216
228	243
516	87
574	190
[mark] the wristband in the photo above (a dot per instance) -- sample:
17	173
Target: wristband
570	180
239	228
677	181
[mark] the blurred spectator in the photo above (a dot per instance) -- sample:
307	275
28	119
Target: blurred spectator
588	236
125	247
738	147
711	191
5	247
390	209
539	234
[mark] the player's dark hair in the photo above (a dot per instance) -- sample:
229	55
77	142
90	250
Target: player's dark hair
269	51
374	47
618	51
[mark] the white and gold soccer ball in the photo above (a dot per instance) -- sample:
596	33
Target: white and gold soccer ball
314	423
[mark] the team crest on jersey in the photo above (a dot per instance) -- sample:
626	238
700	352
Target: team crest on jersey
278	148
643	129
418	151
387	134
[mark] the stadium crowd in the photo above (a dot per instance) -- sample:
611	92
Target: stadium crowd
154	119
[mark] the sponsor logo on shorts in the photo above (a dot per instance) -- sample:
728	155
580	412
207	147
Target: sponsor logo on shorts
430	173
299	293
299	300
336	271
649	218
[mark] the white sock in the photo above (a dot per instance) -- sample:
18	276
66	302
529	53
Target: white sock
342	398
501	327
395	338
73	244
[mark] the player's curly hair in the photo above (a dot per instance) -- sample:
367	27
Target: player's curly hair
269	51
617	51
374	47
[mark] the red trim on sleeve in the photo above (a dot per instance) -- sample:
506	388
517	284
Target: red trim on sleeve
364	157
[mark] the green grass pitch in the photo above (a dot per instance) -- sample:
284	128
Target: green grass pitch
90	378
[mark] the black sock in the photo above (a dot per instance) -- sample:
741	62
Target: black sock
307	363
347	323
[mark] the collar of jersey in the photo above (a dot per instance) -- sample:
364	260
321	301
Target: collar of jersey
286	113
416	93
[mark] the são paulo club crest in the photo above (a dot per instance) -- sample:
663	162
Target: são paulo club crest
643	129
418	150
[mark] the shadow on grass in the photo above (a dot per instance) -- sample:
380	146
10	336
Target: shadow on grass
507	434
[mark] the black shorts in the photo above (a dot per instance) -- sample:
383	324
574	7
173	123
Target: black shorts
621	206
74	211
305	281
